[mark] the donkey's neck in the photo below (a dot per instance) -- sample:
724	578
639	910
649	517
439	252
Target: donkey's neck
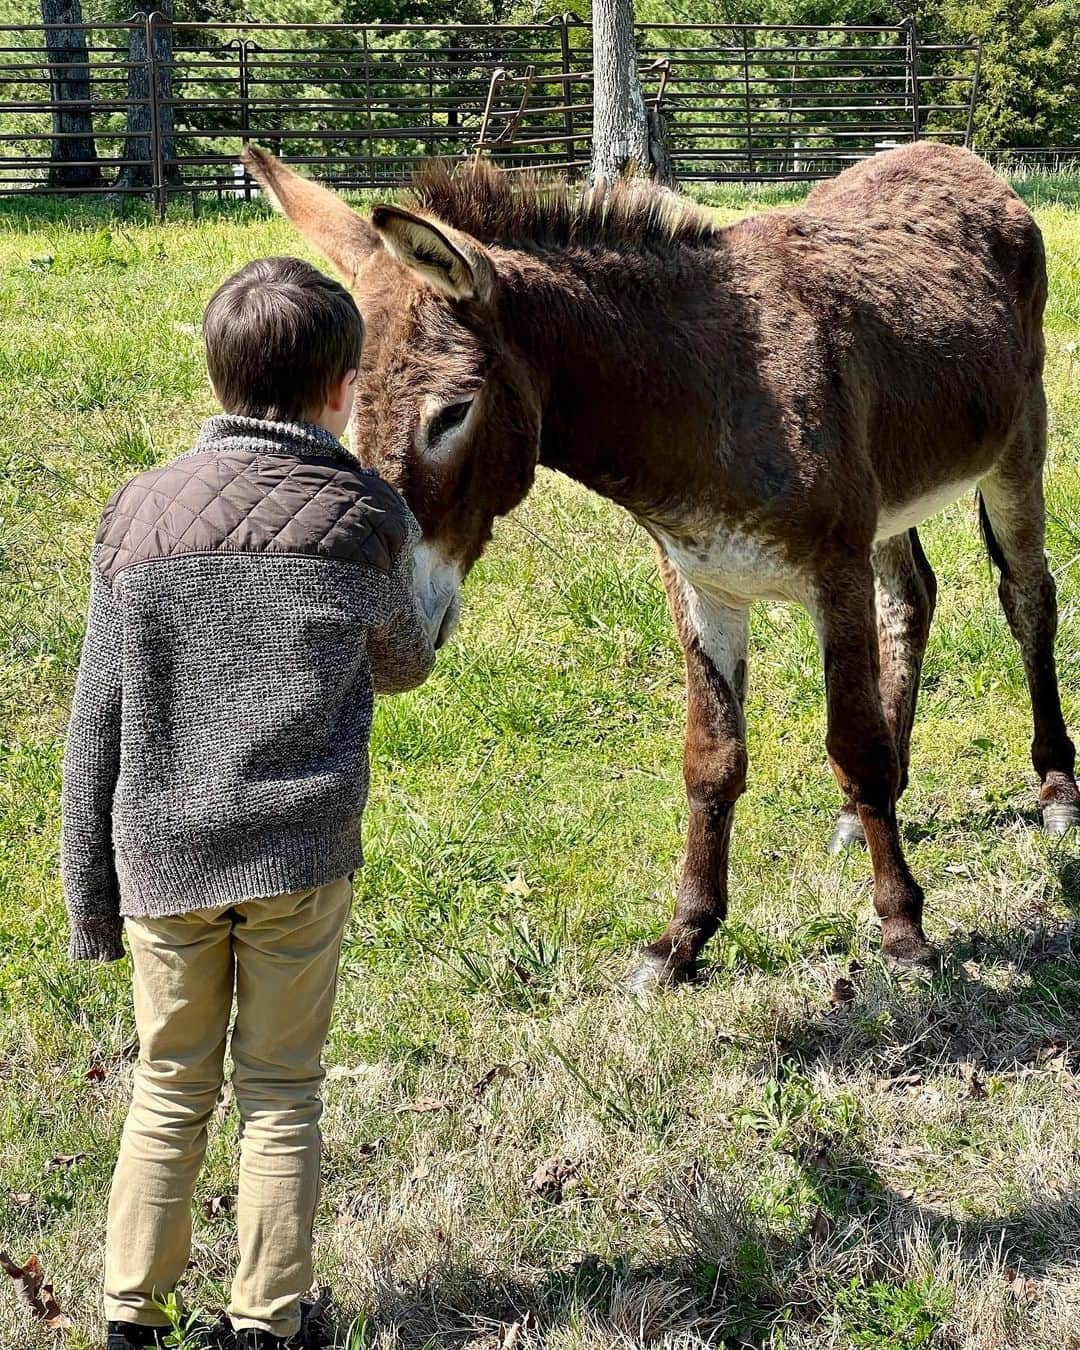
623	346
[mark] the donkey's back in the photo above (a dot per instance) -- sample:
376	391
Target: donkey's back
951	195
918	280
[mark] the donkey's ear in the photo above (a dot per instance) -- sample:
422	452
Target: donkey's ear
441	257
327	222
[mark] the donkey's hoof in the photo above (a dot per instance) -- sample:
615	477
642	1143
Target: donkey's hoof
657	972
909	952
1060	817
847	833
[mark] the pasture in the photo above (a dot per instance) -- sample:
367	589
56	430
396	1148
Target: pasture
805	1150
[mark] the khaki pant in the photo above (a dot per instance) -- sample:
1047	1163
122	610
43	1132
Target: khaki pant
283	955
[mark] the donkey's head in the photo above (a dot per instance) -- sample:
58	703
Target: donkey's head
445	407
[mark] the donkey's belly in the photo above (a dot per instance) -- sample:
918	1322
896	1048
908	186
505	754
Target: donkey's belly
900	516
733	566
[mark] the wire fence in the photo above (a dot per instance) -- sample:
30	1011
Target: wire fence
150	106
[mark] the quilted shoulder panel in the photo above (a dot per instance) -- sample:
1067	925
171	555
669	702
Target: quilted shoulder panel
240	502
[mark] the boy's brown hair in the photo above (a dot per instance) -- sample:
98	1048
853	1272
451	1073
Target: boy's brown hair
279	334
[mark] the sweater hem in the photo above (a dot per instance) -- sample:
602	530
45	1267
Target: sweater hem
166	882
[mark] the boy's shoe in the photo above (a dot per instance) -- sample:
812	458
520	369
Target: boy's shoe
130	1336
251	1339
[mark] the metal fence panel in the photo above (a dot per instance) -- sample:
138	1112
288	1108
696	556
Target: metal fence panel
163	107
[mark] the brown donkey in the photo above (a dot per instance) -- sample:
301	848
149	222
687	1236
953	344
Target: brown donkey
778	403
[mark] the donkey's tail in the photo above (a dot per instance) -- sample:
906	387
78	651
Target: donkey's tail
993	548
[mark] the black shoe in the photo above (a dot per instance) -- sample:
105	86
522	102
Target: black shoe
131	1336
250	1338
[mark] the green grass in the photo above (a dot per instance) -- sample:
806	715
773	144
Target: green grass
739	1163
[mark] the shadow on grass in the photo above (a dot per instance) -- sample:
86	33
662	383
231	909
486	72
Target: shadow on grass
1001	1003
859	1267
730	1277
973	822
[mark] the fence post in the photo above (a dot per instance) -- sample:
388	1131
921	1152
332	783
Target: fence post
747	103
563	21
369	158
157	149
913	63
974	95
245	106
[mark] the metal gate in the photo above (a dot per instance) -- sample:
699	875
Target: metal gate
154	107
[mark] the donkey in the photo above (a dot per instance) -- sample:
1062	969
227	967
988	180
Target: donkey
779	403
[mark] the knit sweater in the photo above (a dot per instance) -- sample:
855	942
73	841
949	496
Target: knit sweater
246	602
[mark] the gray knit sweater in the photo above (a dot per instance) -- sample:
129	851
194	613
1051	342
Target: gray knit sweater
246	601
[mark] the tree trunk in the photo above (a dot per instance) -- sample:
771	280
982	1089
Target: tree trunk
138	145
622	142
74	154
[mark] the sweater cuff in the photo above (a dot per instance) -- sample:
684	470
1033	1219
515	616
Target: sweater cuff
98	943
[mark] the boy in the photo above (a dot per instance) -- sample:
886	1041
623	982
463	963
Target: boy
245	601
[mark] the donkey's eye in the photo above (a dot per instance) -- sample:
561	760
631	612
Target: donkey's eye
447	419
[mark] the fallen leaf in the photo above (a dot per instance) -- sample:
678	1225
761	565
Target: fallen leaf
822	1227
63	1160
1023	1289
976	1085
337	1071
219	1205
96	1073
423	1105
35	1295
843	992
421	1171
225	1101
552	1177
483	1083
1055	1056
904	1080
21	1198
818	1157
518	885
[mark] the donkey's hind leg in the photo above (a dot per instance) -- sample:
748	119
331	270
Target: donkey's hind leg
862	751
714	637
1014	520
905	591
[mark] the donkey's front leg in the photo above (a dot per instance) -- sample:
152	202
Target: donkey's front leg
862	751
714	638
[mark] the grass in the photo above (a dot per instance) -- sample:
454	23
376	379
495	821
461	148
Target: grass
747	1161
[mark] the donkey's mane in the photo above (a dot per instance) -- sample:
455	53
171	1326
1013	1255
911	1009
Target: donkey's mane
503	208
